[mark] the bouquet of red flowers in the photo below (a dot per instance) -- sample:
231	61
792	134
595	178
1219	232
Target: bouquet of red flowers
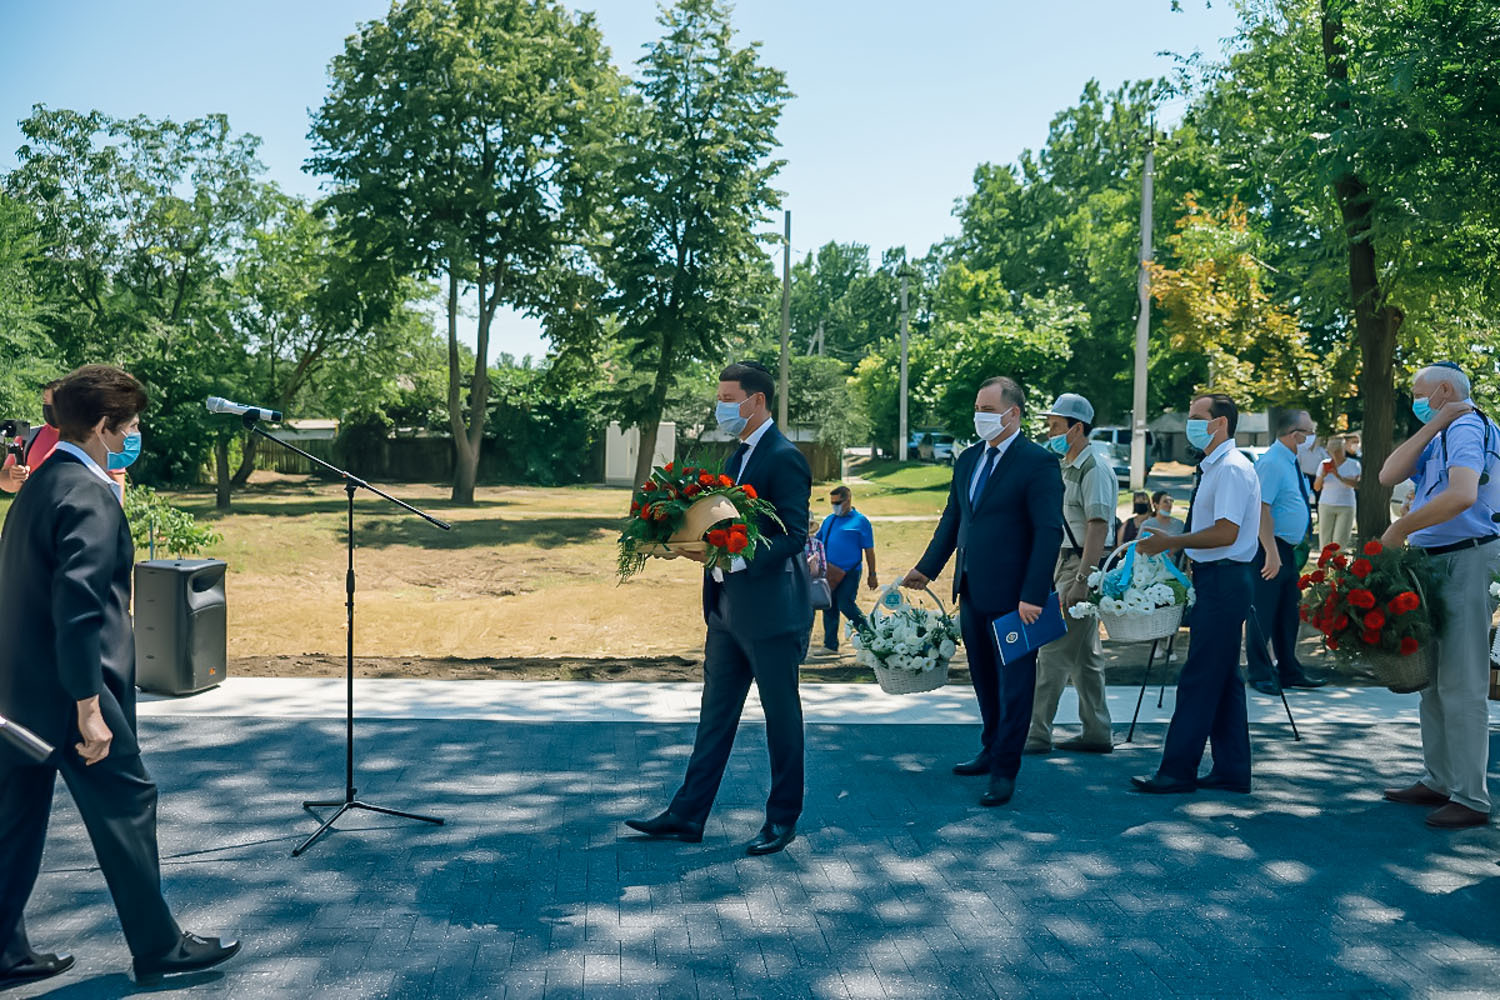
1374	608
688	509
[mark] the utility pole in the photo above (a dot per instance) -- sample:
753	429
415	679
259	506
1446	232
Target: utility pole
901	442
786	324
1142	324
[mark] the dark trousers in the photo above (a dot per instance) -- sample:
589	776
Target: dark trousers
1210	694
117	800
1275	621
1005	692
845	604
729	665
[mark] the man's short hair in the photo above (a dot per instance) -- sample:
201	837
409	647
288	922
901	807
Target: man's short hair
753	377
1088	428
1450	373
1220	405
840	491
1010	391
1287	422
93	392
52	386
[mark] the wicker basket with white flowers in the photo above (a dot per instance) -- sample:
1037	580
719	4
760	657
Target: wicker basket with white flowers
1140	600
908	647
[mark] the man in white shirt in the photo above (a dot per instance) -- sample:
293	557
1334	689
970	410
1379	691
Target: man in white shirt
1224	528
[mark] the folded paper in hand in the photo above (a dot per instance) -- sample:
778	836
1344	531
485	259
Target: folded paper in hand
1015	639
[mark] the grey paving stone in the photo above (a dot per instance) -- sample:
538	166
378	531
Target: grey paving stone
899	885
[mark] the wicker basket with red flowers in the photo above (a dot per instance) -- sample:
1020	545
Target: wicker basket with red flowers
685	509
1375	609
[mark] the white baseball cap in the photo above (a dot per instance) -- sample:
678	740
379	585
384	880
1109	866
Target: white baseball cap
1073	406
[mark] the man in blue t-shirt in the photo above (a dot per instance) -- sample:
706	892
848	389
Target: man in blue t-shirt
848	540
1454	460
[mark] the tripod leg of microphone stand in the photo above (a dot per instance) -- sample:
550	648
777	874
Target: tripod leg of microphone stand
343	808
1296	736
1145	680
396	812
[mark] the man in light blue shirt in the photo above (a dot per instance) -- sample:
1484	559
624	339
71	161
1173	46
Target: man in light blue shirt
1274	619
1454	460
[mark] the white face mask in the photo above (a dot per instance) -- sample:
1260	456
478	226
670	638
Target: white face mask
989	425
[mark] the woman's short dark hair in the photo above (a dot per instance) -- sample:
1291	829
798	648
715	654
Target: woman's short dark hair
753	377
93	392
1159	496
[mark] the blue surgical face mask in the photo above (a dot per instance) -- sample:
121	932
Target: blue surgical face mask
1422	408
729	419
1058	444
128	453
1198	435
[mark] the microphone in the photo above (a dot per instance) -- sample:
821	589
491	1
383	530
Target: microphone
24	740
218	404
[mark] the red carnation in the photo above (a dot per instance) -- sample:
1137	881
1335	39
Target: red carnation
1304	614
1361	598
660	512
725	481
749	491
1370	637
667	467
1407	601
691	490
718	538
1375	620
1331	643
648	488
1318	577
1342	562
1373	548
1331	547
1361	568
706	479
1324	559
1304	582
1408	646
1340	623
737	542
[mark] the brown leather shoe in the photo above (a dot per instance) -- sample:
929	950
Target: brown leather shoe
1417	795
1454	816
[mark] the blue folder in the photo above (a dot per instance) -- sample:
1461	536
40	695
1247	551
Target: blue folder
1015	639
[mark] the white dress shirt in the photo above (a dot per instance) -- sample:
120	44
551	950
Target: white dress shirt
738	563
984	457
92	466
1229	491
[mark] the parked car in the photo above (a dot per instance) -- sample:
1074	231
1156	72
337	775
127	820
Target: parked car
1114	442
1253	452
937	447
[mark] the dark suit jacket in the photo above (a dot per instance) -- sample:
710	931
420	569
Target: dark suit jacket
65	632
1007	541
770	596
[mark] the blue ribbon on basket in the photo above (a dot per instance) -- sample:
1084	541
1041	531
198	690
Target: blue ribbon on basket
1117	581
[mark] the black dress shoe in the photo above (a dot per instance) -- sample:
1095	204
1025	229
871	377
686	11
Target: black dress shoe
772	837
668	826
1266	687
34	969
971	768
999	792
191	954
1304	682
1161	785
1213	781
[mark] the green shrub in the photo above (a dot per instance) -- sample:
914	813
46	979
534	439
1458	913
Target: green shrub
177	532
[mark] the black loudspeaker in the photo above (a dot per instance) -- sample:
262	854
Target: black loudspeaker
181	625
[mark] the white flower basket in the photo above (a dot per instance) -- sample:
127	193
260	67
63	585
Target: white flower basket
896	680
1139	626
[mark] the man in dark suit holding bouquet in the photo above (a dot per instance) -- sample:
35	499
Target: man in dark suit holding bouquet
758	614
1004	522
67	672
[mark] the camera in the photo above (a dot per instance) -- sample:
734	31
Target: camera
13	433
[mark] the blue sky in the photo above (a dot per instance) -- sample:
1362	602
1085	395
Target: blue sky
896	102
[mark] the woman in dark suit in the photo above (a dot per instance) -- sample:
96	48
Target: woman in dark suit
69	675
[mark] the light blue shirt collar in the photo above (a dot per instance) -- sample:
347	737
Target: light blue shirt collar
93	466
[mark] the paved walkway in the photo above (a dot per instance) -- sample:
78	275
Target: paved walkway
899	885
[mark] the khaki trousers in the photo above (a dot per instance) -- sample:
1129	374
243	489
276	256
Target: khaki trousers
1077	657
1335	524
1455	713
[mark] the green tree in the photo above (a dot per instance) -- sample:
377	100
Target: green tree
694	182
468	139
27	356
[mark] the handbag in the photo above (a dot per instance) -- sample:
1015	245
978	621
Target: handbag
822	597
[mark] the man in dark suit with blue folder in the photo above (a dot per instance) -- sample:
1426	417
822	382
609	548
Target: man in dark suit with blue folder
1004	523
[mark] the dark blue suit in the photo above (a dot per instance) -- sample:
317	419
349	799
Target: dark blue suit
65	564
757	620
1004	543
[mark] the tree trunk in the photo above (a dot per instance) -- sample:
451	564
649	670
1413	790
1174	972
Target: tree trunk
465	467
221	474
650	426
247	461
1376	322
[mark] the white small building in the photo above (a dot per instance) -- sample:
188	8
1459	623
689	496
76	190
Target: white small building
622	446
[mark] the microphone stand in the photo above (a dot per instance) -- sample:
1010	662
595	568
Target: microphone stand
351	484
